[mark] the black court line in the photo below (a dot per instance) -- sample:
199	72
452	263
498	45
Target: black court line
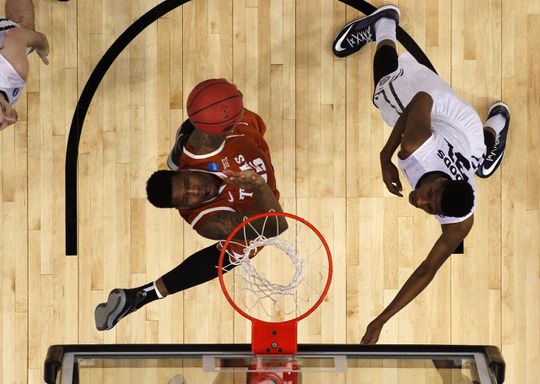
83	104
100	71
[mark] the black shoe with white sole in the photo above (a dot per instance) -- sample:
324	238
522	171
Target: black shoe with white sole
120	303
495	155
358	33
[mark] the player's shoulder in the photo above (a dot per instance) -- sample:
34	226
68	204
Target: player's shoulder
251	123
242	149
17	35
459	228
250	115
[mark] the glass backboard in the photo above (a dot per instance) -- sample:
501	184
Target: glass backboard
235	363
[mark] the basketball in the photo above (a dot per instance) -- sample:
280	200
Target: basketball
215	105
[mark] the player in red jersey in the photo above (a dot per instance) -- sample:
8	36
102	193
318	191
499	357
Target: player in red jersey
243	153
219	176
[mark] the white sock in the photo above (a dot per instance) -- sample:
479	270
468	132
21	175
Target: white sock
385	29
496	122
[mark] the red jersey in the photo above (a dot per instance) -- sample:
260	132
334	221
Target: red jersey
244	148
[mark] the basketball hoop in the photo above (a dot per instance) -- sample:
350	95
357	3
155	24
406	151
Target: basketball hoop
275	304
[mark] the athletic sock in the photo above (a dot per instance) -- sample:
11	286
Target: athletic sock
496	122
152	293
385	29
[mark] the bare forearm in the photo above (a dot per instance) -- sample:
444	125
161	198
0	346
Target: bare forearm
266	200
222	224
37	40
416	283
422	276
394	140
413	126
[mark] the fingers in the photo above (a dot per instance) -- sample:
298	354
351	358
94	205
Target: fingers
391	179
372	334
369	339
43	56
243	179
396	183
229	173
43	49
44	59
398	188
240	174
394	189
244	175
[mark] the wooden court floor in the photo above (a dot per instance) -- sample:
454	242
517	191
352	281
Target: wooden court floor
325	136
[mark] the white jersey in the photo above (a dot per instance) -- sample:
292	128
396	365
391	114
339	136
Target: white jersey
456	146
11	84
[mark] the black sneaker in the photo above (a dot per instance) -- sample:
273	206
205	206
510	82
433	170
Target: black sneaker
182	134
494	157
358	33
120	303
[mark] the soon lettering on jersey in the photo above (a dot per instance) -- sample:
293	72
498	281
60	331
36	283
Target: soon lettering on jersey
456	163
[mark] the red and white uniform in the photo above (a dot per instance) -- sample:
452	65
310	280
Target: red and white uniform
243	149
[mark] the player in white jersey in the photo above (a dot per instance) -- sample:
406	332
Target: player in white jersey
442	144
17	39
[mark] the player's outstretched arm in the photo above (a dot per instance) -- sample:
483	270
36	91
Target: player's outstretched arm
223	223
15	45
452	235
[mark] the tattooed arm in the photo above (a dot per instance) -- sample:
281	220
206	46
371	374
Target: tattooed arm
222	224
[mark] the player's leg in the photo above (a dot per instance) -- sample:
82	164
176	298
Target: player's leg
358	33
385	60
196	269
495	132
21	12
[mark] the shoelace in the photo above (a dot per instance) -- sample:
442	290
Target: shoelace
363	36
366	35
492	154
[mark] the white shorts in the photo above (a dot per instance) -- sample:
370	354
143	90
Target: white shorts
450	115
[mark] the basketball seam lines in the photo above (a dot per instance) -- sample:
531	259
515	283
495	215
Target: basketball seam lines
203	88
211	105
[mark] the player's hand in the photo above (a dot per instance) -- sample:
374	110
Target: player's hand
8	115
390	176
244	179
373	331
43	50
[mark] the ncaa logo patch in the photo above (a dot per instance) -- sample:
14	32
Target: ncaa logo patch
213	166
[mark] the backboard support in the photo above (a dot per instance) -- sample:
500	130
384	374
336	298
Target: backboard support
236	363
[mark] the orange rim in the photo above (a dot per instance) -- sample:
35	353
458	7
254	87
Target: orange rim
268	214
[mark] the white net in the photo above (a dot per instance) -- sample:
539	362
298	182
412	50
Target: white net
259	284
287	275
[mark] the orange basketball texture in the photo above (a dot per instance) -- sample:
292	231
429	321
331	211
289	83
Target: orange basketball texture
215	105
